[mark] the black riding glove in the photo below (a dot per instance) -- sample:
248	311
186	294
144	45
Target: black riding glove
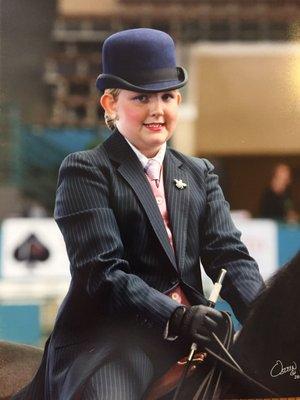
196	323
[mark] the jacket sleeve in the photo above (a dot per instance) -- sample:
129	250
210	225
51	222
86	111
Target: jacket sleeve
93	242
222	248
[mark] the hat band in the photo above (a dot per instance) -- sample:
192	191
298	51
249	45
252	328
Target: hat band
145	77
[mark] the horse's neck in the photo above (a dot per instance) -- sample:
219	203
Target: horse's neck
19	364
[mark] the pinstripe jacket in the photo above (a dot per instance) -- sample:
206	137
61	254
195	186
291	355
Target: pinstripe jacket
121	259
122	263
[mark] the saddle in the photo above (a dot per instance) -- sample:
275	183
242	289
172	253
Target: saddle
172	377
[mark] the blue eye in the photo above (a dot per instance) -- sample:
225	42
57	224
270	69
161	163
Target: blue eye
143	98
167	96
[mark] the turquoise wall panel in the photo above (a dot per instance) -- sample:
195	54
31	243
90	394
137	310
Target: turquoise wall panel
288	242
20	323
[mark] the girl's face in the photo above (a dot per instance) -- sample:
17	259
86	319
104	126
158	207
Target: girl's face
147	120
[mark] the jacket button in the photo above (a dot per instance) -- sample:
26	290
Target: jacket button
176	297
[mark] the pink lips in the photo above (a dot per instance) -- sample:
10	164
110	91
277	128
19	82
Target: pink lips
155	127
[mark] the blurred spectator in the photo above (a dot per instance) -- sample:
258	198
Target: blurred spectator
276	201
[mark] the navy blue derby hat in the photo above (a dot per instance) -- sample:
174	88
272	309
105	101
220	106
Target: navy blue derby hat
141	60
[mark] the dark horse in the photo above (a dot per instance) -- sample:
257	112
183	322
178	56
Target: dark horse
267	348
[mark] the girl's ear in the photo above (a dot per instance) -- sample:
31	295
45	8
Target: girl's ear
179	98
108	102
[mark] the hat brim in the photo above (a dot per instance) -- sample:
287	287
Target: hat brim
107	81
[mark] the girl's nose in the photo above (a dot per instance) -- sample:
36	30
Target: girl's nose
156	107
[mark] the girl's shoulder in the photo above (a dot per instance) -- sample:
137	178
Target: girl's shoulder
92	157
192	161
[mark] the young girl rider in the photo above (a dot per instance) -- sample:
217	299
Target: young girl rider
136	217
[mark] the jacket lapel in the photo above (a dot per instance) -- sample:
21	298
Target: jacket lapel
178	203
132	171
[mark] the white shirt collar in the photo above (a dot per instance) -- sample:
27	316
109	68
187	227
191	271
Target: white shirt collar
144	160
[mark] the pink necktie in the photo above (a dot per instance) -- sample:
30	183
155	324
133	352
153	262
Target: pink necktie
152	169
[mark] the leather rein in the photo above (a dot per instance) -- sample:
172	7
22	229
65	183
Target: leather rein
210	387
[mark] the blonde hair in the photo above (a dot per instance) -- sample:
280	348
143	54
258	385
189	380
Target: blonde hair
109	120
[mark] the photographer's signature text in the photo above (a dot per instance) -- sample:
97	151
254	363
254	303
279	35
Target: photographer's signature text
279	369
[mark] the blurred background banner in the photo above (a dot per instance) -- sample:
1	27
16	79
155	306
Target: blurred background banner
33	249
261	239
